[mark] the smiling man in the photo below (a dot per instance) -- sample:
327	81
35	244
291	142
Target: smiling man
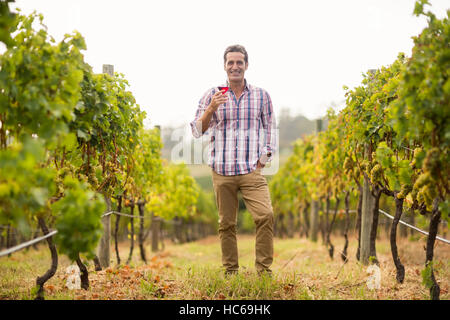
242	126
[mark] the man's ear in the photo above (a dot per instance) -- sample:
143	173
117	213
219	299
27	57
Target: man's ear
246	66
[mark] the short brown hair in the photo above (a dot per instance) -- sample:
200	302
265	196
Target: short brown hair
235	48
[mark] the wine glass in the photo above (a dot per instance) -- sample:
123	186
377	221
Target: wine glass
224	88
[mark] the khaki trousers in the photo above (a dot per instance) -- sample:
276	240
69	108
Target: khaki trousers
255	193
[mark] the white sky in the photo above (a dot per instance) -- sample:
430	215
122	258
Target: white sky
301	52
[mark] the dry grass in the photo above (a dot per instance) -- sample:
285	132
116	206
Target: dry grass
302	270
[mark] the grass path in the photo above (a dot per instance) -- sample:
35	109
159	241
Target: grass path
302	270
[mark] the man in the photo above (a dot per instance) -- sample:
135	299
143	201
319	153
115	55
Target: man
242	125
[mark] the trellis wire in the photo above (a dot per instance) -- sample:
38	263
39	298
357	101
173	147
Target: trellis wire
27	244
413	227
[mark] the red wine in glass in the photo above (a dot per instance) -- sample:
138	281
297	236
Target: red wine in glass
223	88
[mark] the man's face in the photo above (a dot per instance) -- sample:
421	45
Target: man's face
235	66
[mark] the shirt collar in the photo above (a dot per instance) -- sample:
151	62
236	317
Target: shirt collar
246	85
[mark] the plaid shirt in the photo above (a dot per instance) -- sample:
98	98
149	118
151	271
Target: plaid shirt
242	131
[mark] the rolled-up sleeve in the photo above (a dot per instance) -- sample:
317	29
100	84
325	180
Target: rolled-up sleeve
270	130
196	124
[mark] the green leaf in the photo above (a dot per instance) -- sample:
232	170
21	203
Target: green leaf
70	141
40	195
405	172
83	135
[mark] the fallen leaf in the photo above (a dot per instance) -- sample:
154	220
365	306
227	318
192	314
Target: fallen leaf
160	293
50	287
288	287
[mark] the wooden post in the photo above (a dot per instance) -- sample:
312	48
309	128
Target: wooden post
314	216
104	245
319	125
156	225
109	69
105	241
367	211
155	232
314	221
366	222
